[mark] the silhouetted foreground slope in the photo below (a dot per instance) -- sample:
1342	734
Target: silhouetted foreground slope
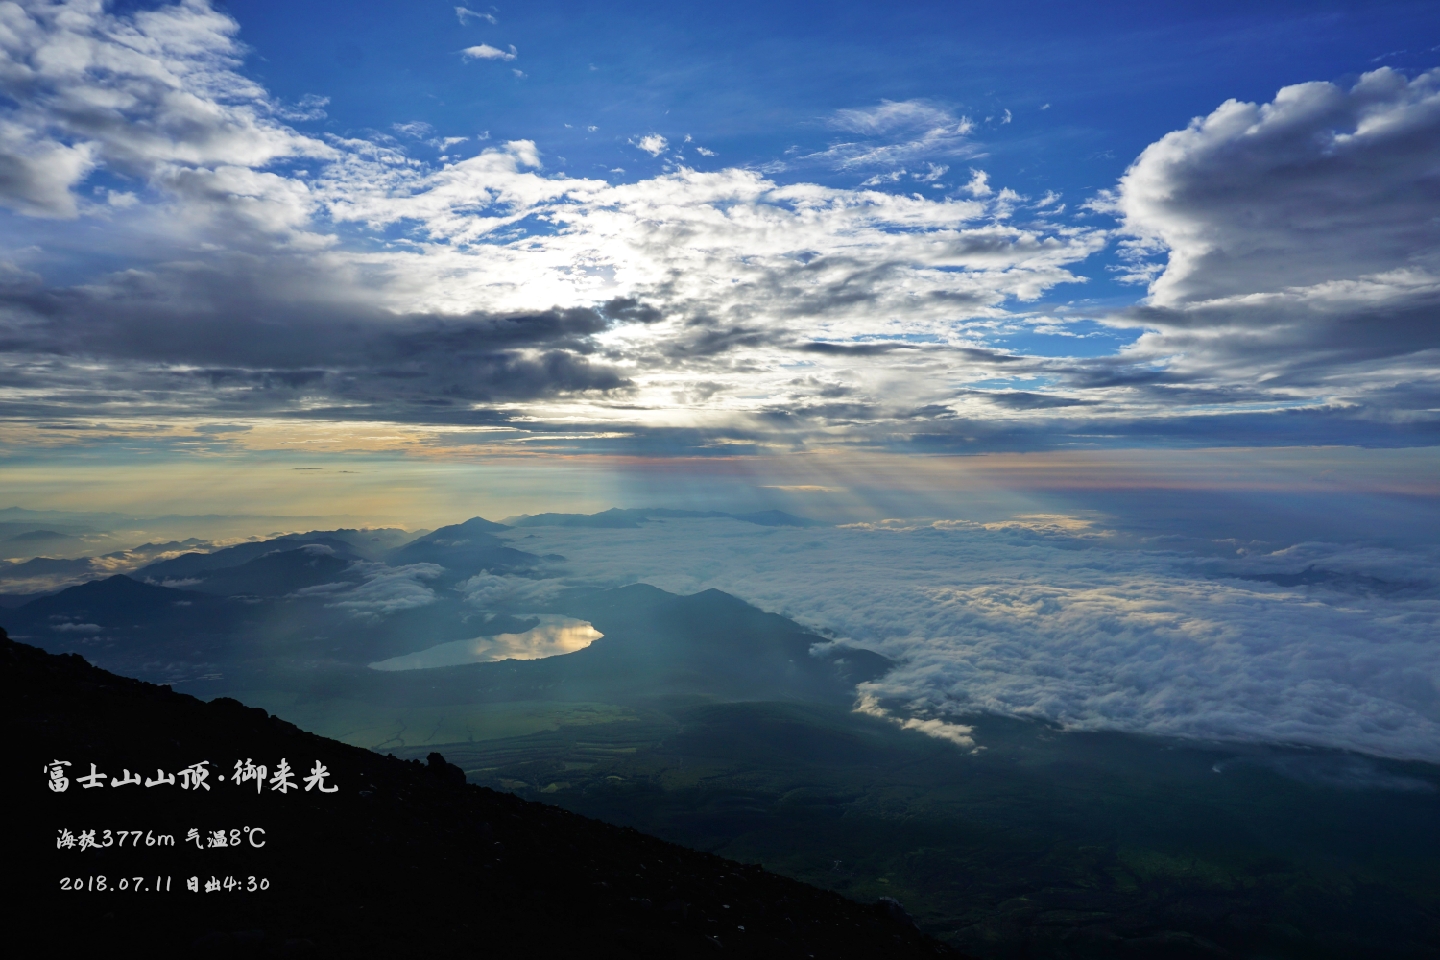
403	859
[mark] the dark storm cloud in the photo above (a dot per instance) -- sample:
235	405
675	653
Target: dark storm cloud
1304	341
153	339
1022	400
1362	427
700	340
854	349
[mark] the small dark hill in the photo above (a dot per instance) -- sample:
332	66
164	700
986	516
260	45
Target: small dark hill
114	598
128	623
192	565
370	543
466	528
276	574
38	535
464	549
617	518
48	567
404	859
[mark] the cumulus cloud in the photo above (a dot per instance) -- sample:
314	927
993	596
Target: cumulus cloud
1298	246
1322	644
652	143
489	591
154	96
484	51
1320	184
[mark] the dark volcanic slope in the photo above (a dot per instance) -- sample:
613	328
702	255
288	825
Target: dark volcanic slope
404	860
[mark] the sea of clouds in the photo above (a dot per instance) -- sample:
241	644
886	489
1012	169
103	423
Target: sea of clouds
1046	617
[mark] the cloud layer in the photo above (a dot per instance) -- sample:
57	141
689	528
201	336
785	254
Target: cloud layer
1321	644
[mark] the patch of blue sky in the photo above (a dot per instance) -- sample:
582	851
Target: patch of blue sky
1012	383
51	249
894	338
1065	338
358	235
532	225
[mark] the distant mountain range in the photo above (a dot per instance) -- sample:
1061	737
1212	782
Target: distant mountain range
629	519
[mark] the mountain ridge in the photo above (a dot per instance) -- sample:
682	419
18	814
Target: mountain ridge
403	857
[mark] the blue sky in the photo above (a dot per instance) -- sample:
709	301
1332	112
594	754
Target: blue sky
250	231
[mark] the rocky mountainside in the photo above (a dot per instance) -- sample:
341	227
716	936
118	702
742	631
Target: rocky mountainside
401	859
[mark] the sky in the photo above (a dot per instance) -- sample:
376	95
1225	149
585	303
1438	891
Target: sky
569	256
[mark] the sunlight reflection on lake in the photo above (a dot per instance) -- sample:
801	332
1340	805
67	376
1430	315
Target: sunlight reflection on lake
553	636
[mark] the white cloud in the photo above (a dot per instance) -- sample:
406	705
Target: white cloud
484	51
652	143
891	116
388	590
488	591
1044	617
465	15
957	733
154	95
896	132
979	185
311	107
705	152
890	176
85	628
